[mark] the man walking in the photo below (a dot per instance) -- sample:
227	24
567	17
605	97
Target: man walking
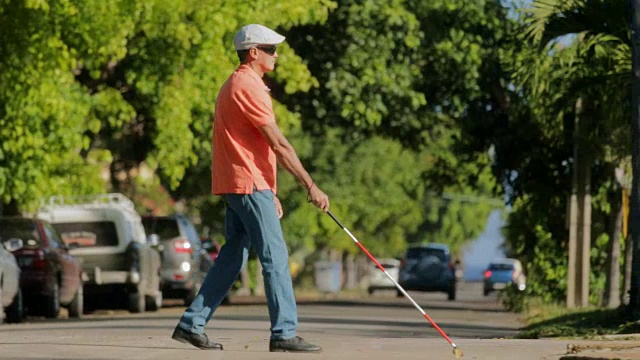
247	144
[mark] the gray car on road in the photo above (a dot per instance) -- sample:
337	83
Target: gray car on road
184	261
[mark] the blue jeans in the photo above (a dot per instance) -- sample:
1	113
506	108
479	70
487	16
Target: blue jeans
251	221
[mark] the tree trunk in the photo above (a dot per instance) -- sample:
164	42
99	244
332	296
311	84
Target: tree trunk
245	289
351	272
634	242
611	297
628	260
580	214
573	245
573	222
584	232
10	209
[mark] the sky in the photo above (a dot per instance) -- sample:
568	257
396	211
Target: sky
487	247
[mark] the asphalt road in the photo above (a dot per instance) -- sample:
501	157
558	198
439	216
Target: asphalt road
350	327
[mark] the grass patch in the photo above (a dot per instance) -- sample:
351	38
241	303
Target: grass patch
550	320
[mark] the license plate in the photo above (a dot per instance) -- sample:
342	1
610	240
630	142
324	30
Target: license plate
25	261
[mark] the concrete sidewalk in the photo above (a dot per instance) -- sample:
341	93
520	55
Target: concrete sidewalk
147	336
622	347
243	344
139	339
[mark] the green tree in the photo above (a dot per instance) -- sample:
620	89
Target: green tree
412	72
579	50
119	83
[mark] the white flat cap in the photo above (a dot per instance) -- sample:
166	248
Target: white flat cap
253	35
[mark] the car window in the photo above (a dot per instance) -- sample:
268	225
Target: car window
54	241
147	224
25	230
419	253
192	234
164	228
501	267
88	234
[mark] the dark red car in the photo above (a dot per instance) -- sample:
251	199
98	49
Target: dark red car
50	277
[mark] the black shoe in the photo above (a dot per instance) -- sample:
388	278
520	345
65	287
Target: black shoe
198	340
295	344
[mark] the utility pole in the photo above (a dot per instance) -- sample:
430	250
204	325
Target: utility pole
634	303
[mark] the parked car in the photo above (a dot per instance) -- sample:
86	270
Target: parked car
106	232
11	307
50	276
184	261
379	280
428	267
502	273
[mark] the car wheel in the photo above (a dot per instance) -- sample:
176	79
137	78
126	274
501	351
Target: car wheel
370	291
153	303
15	311
191	294
76	307
137	301
451	294
399	293
52	303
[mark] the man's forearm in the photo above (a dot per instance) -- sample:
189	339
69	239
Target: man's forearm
288	159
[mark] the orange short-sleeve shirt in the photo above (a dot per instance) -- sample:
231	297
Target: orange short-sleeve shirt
242	157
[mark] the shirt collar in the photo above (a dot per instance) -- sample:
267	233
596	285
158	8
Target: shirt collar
244	68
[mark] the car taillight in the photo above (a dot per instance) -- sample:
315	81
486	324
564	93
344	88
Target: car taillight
487	274
183	246
39	264
403	262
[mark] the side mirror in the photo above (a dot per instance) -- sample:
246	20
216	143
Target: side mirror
13	244
153	239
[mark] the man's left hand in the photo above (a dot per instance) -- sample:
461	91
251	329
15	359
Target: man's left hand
279	211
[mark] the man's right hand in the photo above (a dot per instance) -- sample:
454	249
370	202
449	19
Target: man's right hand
319	198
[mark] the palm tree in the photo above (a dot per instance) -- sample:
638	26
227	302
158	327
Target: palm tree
586	45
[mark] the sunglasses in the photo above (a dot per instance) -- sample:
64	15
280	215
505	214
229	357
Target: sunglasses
267	49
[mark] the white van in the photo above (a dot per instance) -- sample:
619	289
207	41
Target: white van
106	234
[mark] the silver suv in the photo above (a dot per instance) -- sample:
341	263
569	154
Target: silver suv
106	233
184	261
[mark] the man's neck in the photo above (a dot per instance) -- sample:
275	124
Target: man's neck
253	66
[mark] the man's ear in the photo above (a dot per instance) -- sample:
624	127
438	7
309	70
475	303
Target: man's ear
253	53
